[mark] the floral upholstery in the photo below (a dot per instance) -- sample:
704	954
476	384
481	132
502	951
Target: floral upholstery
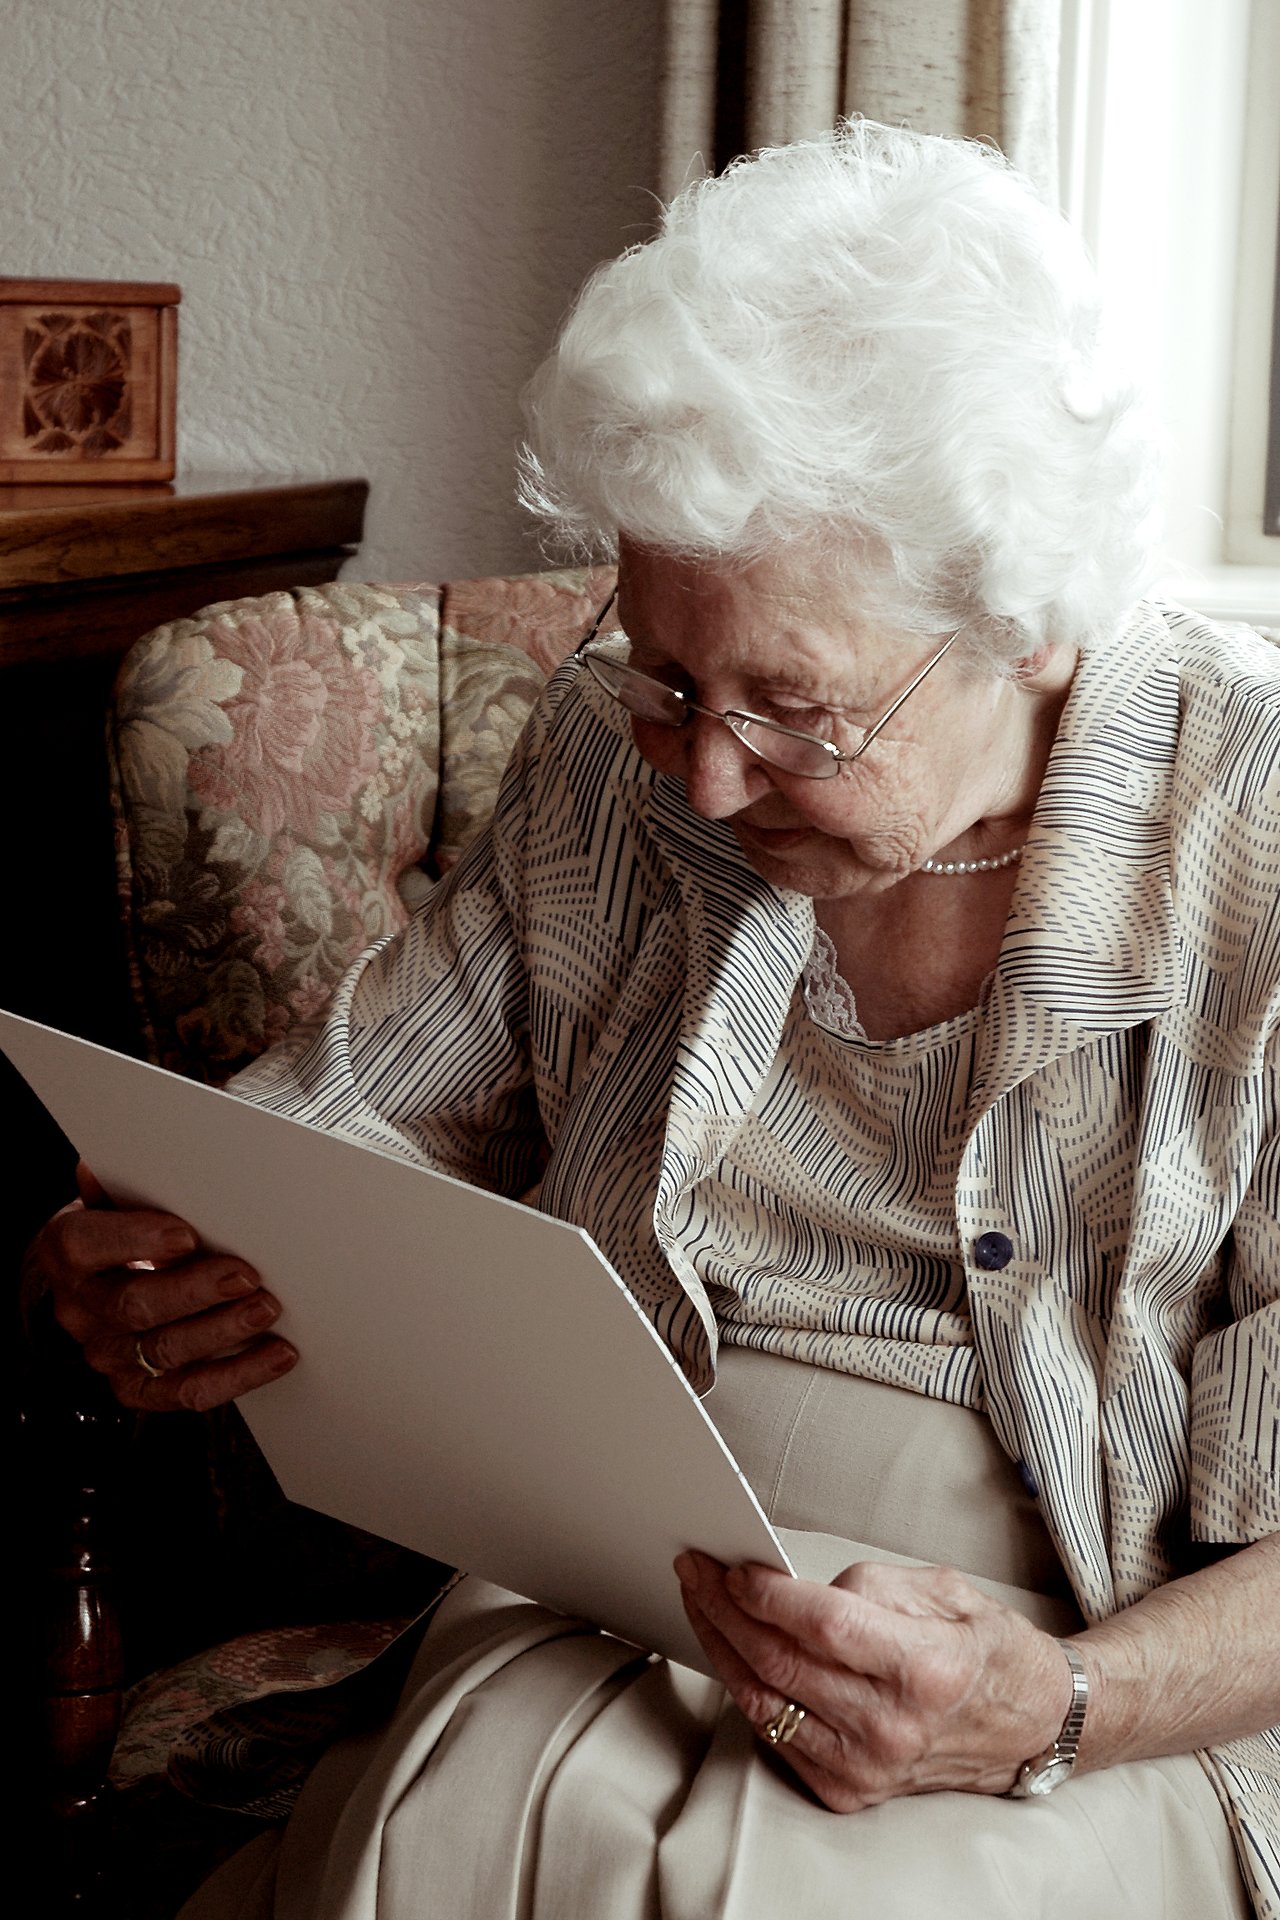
288	775
240	1725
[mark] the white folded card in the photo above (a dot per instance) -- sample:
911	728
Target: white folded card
475	1380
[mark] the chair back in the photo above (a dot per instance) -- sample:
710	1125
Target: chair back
291	773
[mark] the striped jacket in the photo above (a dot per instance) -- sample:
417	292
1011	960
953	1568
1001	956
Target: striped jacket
596	993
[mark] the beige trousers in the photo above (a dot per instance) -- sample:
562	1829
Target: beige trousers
537	1770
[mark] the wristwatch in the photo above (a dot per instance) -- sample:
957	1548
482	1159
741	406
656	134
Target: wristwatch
1057	1763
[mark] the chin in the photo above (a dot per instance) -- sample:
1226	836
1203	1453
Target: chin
818	866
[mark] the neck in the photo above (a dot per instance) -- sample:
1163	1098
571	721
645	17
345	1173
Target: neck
1035	697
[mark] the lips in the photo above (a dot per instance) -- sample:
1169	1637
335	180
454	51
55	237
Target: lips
771	839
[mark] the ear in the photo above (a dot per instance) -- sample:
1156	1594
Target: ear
1050	669
1050	665
1032	665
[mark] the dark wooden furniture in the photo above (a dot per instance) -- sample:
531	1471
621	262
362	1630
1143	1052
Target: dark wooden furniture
84	572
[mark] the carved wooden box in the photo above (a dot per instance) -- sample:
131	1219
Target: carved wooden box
88	380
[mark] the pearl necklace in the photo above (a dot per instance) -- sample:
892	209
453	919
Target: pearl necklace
974	866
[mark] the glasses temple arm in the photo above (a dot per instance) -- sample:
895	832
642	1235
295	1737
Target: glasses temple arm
596	625
907	692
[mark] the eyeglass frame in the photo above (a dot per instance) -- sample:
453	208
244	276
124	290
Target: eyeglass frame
689	707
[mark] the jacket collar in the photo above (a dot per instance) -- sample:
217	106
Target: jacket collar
747	944
1091	942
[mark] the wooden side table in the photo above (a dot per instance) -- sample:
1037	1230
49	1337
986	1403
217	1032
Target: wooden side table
84	571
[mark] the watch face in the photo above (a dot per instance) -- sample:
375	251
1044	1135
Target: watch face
1046	1778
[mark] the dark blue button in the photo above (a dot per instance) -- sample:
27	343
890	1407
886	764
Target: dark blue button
1028	1479
993	1251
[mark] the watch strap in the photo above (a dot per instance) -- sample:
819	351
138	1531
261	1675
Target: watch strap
1049	1769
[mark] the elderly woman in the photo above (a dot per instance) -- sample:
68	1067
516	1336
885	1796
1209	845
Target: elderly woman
877	949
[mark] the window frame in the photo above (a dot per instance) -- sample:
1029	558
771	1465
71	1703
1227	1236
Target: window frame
1253	487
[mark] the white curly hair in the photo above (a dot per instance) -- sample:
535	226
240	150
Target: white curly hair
879	346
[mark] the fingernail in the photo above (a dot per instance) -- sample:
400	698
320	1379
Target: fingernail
262	1311
283	1356
233	1285
686	1569
176	1241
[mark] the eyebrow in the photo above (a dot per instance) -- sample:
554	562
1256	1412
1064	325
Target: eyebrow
775	681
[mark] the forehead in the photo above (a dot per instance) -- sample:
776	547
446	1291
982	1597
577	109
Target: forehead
773	616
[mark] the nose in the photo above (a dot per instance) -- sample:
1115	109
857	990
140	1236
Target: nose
720	775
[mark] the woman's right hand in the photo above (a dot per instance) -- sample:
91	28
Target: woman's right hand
169	1325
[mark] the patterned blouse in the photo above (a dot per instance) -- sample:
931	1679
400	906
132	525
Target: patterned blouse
596	995
837	1245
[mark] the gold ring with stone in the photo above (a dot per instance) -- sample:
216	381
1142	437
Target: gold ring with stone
782	1729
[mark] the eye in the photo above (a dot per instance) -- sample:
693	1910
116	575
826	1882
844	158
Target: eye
794	712
664	670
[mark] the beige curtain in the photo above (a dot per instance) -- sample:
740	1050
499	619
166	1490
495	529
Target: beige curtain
749	73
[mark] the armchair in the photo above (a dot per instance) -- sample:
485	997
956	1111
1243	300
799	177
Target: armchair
289	775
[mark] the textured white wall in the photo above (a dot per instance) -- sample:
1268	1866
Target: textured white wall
377	211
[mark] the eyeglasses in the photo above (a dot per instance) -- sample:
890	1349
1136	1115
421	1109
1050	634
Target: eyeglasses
805	754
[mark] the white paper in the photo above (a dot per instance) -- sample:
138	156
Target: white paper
475	1380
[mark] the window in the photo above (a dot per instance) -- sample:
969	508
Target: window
1171	172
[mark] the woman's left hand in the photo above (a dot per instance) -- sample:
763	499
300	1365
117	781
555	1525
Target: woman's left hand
912	1679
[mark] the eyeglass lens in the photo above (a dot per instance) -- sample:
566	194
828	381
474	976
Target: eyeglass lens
649	700
639	692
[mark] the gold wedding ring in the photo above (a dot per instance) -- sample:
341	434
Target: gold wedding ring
144	1363
782	1729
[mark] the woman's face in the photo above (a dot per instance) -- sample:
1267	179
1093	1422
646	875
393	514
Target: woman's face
960	763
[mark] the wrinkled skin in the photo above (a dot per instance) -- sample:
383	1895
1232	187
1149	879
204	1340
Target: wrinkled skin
912	1679
120	1279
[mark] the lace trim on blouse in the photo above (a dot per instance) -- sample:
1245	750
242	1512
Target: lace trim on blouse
830	999
827	994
